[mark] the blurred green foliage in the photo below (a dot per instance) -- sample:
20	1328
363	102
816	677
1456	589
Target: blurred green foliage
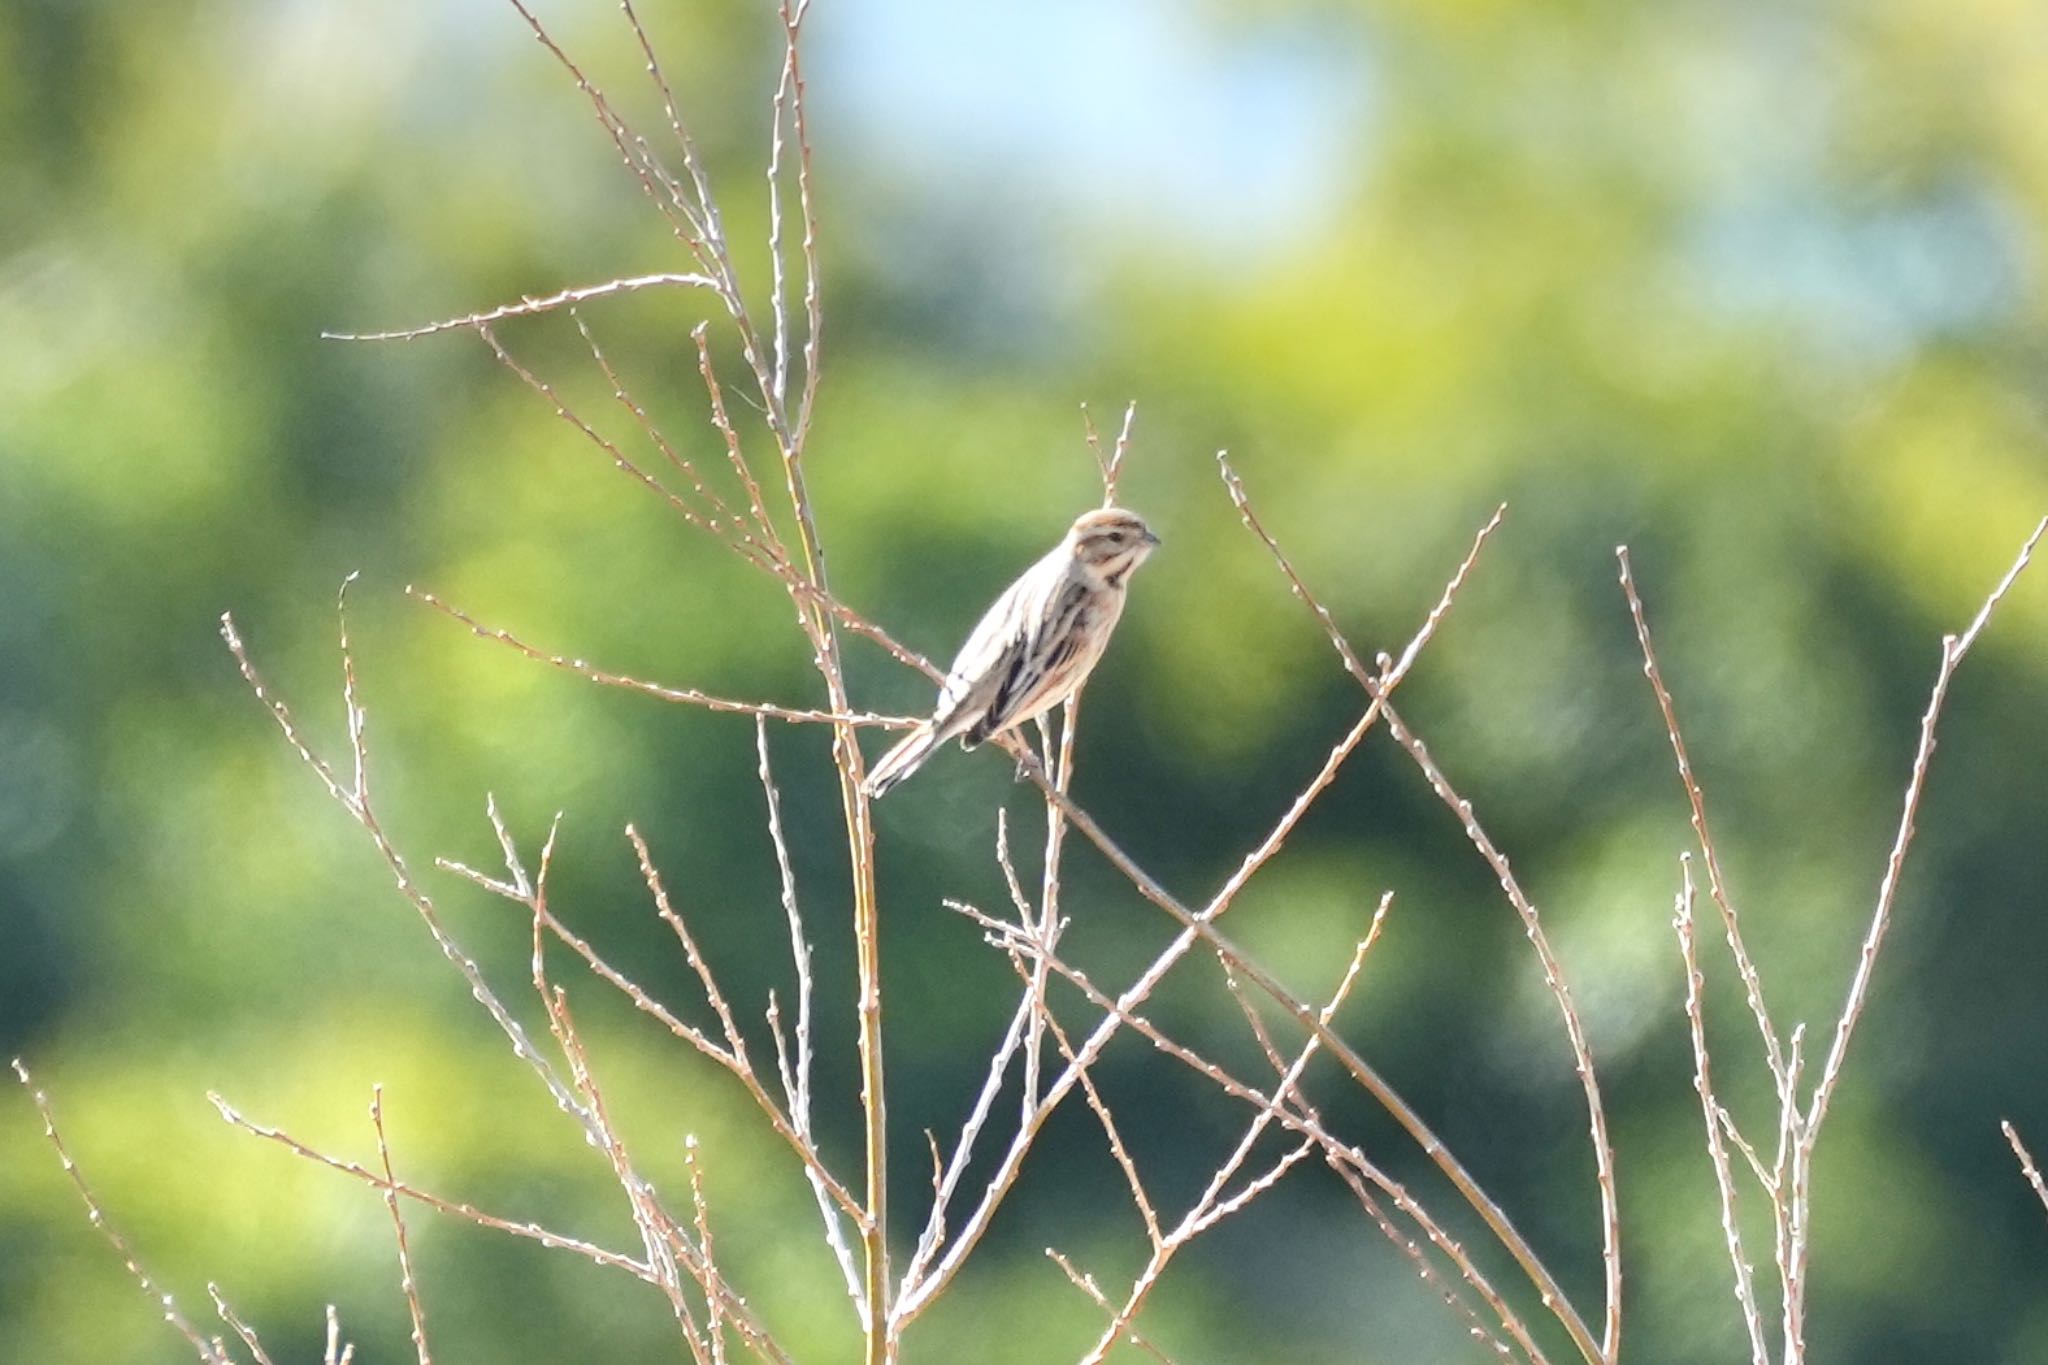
1760	290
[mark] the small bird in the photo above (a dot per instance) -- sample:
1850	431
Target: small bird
1035	646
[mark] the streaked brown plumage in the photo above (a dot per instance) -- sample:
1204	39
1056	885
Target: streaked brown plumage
1035	646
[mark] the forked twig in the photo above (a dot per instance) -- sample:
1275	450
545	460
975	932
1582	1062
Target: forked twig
1086	1284
534	1232
1607	1349
1953	650
1703	1082
238	1327
1287	1114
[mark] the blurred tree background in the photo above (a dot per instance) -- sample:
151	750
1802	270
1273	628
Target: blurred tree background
1758	289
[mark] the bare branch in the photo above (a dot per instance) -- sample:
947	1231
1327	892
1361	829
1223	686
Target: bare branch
1288	1116
735	1041
755	541
336	1353
792	714
702	1213
1953	650
1553	974
469	1213
406	1283
356	803
1122	1154
2026	1159
1111	464
1086	1284
1717	885
797	1081
529	305
239	1327
1703	1082
1211	1207
731	436
209	1352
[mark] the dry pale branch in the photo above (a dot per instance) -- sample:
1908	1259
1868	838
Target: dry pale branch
1047	920
1286	1114
668	1251
1212	1206
751	533
768	710
1120	1153
701	1212
1805	1127
453	1208
1609	1346
238	1326
1717	885
336	1353
1953	650
693	217
1787	1179
530	305
406	1283
2026	1160
1086	1284
796	1079
209	1350
355	798
1425	1267
1112	463
1713	1114
695	1037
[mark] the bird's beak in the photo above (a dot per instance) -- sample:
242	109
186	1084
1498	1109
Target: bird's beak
1151	539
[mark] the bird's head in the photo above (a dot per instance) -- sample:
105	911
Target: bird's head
1111	541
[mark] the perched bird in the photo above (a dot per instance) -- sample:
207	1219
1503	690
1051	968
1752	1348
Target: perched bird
1035	646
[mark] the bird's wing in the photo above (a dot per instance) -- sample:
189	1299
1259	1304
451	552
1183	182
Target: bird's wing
990	655
1050	650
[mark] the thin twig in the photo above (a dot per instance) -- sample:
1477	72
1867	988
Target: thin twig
1288	1116
1609	1345
336	1353
406	1283
529	305
792	714
702	1211
1953	650
1086	1284
209	1352
454	1208
1710	1109
239	1327
1132	1180
2026	1159
1717	885
1211	1206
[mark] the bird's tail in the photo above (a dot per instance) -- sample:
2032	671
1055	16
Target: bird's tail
905	758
